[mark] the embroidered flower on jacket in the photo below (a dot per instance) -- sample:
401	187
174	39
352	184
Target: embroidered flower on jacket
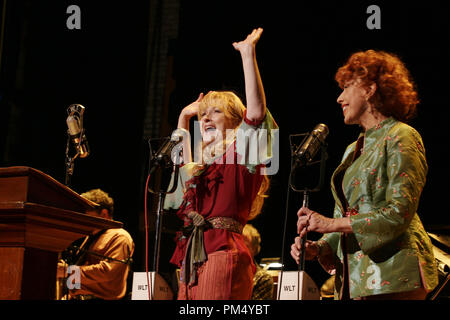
379	186
384	282
351	212
355	182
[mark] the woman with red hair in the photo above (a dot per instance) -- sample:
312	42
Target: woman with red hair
375	243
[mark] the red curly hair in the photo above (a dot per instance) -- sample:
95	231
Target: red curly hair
395	95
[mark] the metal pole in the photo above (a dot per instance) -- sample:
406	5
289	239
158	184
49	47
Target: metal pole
301	264
159	216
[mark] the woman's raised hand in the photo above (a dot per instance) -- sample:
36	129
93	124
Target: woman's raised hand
247	46
188	112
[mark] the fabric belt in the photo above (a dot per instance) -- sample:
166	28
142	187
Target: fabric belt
226	223
195	249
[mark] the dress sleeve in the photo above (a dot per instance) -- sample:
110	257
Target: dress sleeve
406	170
257	143
174	200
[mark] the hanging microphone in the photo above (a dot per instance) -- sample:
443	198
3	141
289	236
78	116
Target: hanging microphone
305	153
76	130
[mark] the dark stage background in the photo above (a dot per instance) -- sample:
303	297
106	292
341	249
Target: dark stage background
134	65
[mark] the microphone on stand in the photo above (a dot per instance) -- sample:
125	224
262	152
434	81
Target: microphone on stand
305	152
303	156
167	156
76	131
168	152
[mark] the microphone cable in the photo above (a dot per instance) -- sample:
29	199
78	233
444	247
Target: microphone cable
150	294
280	278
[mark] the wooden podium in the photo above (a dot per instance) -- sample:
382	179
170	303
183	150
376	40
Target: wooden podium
39	217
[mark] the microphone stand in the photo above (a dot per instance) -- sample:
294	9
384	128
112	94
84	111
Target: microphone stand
306	192
301	265
69	164
160	208
70	160
159	217
78	110
61	290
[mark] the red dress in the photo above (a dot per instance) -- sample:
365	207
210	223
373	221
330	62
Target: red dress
224	189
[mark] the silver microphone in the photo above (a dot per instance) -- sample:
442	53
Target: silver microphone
76	131
305	153
167	153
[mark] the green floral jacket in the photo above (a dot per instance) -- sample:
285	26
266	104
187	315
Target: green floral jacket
389	250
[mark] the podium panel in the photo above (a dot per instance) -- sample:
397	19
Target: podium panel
39	217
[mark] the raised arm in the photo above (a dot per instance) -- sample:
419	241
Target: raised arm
183	123
188	112
254	90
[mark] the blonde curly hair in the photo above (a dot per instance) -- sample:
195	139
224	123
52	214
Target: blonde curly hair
227	101
234	110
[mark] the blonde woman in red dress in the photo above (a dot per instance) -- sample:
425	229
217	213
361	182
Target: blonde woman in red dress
223	190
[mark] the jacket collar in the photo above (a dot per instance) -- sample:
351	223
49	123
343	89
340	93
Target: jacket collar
373	134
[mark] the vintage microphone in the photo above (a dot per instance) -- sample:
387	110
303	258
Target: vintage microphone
76	129
305	152
76	135
166	155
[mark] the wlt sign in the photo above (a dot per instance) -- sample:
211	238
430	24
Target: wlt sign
160	290
297	285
